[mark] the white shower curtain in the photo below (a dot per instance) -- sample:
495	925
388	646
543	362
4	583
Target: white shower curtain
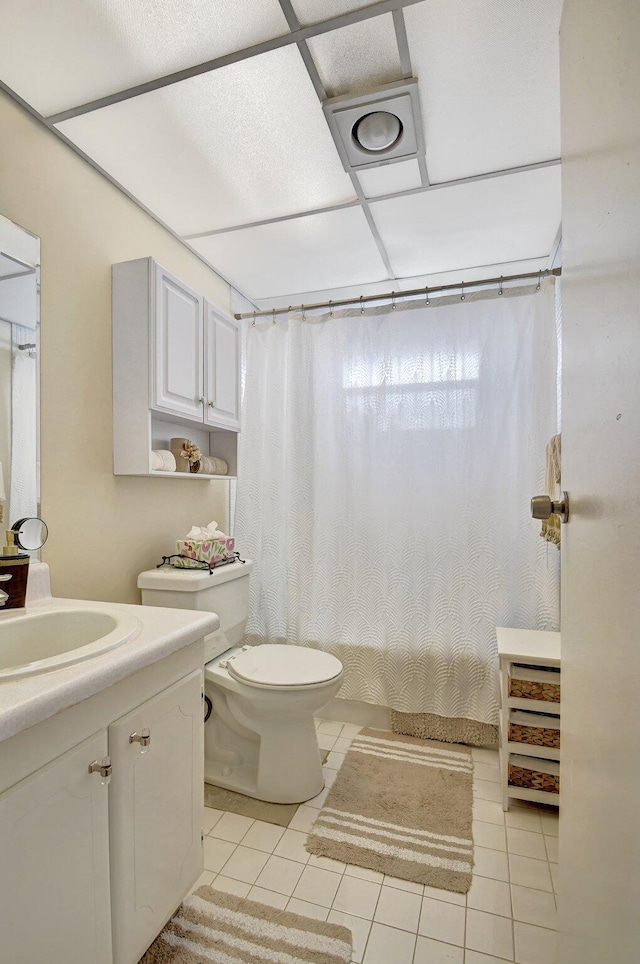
387	460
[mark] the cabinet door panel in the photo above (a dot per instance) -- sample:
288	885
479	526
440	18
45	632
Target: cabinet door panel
156	801
178	335
222	353
54	847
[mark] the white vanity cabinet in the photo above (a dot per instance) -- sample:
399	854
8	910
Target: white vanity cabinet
176	369
54	863
91	871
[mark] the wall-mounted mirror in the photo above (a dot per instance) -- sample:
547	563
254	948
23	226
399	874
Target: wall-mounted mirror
19	373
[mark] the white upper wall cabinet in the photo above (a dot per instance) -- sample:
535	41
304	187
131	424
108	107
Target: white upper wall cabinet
176	369
178	383
222	367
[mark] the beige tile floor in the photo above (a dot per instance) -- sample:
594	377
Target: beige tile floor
509	913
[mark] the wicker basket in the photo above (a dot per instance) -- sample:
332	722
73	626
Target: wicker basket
534	729
534	684
525	774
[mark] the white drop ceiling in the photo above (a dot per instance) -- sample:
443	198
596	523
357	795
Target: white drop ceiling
209	113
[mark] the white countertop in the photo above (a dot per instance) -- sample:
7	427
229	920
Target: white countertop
529	646
25	702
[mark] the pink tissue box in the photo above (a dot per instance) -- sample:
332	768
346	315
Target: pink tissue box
204	550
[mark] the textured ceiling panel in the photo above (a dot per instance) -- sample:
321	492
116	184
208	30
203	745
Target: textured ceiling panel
314	11
497	220
357	58
391	178
319	251
488	72
240	144
64	53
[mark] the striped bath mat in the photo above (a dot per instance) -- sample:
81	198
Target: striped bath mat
401	806
211	927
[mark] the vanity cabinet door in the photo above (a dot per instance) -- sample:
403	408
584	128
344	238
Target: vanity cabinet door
177	322
222	369
156	806
54	872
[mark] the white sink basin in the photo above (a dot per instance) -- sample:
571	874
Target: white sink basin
45	641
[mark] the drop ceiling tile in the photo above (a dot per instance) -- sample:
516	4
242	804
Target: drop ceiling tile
240	144
315	11
489	83
61	54
500	219
303	254
390	178
357	58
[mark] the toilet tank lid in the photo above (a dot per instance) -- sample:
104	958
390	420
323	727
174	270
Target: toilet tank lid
275	664
192	580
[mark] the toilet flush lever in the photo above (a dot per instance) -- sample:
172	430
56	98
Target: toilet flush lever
143	738
542	507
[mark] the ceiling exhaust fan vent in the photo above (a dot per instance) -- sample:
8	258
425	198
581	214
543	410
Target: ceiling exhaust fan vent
377	128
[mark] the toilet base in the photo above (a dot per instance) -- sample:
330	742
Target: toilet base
243	780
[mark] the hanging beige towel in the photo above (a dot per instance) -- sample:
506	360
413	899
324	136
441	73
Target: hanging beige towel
551	526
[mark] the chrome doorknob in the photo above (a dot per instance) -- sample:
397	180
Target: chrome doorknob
542	507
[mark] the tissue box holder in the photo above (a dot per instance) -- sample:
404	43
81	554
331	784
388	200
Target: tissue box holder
203	550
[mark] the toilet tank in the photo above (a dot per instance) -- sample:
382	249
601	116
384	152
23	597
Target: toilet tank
224	591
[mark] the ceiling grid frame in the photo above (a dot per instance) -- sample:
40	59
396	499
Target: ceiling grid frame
407	71
316	80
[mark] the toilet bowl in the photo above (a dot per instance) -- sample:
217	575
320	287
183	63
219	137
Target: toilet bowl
260	736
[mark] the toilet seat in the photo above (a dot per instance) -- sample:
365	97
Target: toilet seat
275	665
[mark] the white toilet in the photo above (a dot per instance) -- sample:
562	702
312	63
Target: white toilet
260	736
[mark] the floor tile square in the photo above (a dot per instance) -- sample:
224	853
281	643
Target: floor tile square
533	906
435	952
291	846
210	818
269	897
534	945
550	823
317	886
450	896
488	811
231	826
326	863
280	875
206	877
555	876
487	790
307	909
349	730
442	921
230	886
359	928
262	836
326	742
486	771
551	843
304	818
329	776
526	844
216	853
341	745
335	760
522	819
356	896
489	934
386	945
397	908
481	754
409	885
528	872
363	873
332	727
489	835
490	863
475	957
245	864
492	896
319	800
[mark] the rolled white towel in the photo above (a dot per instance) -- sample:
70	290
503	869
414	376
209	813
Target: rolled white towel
211	466
162	460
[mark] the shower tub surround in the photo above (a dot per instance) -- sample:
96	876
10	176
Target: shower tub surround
88	855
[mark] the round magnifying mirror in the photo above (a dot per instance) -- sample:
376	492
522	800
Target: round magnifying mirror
31	533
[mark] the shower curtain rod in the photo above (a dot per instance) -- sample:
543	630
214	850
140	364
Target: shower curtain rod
394	295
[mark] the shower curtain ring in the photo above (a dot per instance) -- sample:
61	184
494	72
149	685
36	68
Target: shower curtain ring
500	288
393	301
253	323
361	306
426	296
304	314
462	294
330	309
539	277
273	315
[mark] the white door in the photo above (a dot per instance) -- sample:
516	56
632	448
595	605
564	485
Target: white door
599	897
54	863
222	369
178	347
156	806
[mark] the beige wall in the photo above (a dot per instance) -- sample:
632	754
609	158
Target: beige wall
103	529
600	812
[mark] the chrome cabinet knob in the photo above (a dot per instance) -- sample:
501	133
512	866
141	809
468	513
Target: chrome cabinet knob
542	507
143	738
212	405
201	400
104	768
